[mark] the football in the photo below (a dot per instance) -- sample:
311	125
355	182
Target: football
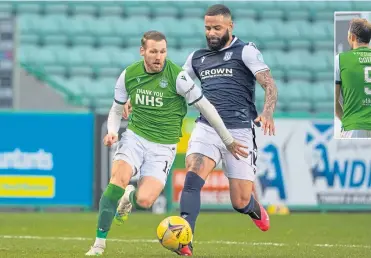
174	232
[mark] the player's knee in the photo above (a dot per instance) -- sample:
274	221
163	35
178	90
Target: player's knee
240	202
199	164
121	173
143	202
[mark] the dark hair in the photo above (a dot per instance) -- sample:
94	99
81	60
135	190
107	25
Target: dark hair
153	35
361	28
218	9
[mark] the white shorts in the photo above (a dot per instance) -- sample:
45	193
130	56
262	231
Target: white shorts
356	134
146	157
206	141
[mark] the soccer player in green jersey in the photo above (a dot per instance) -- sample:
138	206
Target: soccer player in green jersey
353	82
159	91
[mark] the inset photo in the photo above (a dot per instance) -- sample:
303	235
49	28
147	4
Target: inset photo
352	107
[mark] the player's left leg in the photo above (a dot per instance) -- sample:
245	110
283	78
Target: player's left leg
244	202
241	176
153	175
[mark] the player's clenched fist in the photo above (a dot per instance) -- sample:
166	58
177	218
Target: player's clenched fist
237	149
110	139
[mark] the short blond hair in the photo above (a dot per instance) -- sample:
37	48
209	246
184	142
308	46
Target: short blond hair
152	35
361	28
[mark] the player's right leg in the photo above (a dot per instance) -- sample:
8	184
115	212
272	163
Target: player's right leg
127	158
202	156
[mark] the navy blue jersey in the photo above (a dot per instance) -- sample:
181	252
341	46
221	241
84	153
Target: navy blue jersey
228	80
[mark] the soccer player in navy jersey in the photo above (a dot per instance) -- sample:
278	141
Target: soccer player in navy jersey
228	71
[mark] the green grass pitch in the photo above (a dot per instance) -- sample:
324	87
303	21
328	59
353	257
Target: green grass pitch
217	235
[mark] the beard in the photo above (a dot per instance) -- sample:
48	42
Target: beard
218	43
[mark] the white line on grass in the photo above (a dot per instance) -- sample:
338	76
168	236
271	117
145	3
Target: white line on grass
197	242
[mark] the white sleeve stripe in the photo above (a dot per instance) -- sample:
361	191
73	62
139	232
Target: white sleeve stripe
261	70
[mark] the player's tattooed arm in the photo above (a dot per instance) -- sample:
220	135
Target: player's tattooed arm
265	79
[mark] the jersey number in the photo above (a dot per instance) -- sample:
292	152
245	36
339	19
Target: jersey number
367	71
166	169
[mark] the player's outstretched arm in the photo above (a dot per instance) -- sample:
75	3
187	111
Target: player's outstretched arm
193	95
338	108
113	124
265	79
115	114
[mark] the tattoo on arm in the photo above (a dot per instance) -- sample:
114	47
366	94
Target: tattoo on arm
265	79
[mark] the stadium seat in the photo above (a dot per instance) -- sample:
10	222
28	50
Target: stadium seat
83	40
178	56
275	14
243	27
341	6
28	24
101	27
187	12
287	30
121	57
55	7
82	8
195	42
109	40
104	87
111	9
242	10
313	6
27	7
96	57
54	39
264	30
294	96
130	27
81	25
25	53
296	44
28	39
271	60
163	11
325	15
314	31
316	62
324	44
77	85
361	5
6	7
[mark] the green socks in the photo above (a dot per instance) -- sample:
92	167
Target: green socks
107	208
133	200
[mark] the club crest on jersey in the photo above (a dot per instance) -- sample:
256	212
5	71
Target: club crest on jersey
138	79
163	83
203	59
227	56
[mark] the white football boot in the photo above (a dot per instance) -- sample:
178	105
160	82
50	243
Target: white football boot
125	207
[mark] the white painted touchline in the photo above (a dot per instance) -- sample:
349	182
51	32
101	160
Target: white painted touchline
196	242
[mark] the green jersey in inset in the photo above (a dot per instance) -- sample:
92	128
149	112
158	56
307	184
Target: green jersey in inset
354	75
159	100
